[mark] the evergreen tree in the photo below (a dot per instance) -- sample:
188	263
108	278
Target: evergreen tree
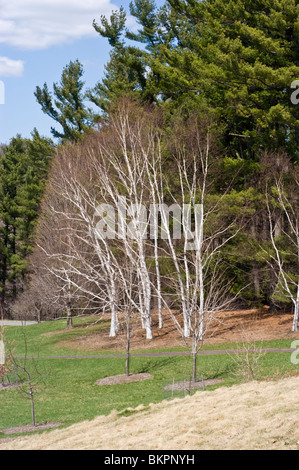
23	172
125	75
112	30
129	72
240	58
67	107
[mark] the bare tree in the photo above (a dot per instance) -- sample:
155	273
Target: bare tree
67	251
113	179
130	317
284	257
248	355
198	275
30	378
97	207
122	176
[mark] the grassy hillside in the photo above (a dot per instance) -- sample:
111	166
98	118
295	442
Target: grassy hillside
248	416
70	394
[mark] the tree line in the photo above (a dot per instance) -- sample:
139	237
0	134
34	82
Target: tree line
24	167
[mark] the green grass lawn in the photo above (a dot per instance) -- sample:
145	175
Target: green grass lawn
70	394
39	344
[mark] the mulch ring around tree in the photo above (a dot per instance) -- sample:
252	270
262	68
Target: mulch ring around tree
189	384
123	379
31	428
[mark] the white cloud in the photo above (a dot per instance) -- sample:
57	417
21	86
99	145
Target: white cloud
11	68
38	24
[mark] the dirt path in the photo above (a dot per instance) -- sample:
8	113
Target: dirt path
16	323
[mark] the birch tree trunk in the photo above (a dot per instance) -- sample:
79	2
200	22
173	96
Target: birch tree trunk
114	327
288	282
296	315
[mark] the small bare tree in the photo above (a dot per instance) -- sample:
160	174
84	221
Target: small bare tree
129	315
248	355
30	378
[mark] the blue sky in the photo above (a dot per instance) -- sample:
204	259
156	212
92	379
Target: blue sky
37	39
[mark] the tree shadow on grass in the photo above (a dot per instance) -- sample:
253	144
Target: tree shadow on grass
155	365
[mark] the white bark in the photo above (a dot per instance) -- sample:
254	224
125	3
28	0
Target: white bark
296	315
288	283
130	174
199	288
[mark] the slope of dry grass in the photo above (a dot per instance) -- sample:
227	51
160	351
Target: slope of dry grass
249	416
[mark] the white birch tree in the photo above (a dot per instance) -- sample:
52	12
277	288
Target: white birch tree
195	240
86	200
284	258
111	251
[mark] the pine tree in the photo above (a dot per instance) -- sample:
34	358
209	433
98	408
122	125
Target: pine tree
129	71
240	58
125	75
67	106
23	164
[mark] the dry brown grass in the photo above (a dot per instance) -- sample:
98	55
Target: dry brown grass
249	416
